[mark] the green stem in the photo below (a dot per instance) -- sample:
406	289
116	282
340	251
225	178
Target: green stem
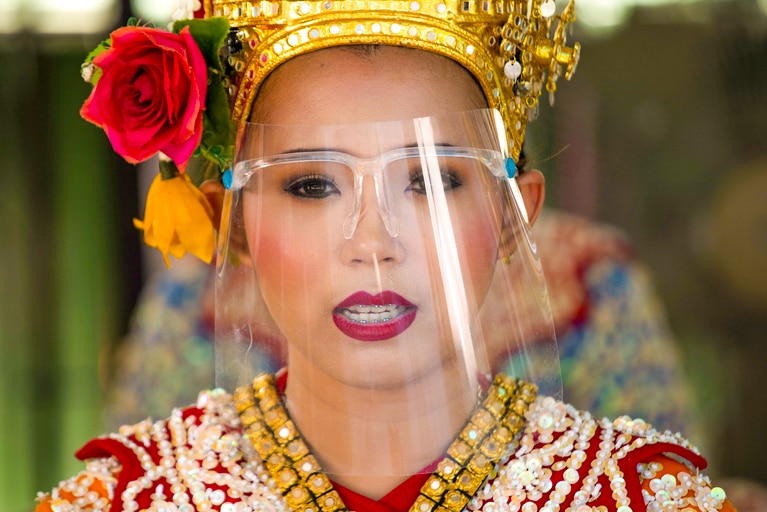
168	169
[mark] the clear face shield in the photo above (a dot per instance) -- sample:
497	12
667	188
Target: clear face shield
388	267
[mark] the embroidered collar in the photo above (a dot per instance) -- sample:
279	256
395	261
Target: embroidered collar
490	433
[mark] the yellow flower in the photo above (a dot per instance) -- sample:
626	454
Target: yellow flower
178	219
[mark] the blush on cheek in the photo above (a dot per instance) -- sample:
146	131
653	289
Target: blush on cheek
481	251
274	262
285	262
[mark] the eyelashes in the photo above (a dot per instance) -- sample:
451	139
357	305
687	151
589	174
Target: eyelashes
450	181
319	186
312	186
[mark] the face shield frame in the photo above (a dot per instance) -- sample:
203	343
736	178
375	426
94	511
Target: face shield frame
362	167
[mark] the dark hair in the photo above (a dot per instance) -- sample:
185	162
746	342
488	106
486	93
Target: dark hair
522	161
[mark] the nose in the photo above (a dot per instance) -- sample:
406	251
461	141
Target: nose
370	241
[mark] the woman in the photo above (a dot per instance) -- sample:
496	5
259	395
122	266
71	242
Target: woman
375	225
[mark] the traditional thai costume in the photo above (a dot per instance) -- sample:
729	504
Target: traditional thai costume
436	327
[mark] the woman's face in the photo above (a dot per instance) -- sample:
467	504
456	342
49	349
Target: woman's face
366	309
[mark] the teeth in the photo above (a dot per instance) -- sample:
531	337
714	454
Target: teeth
373	314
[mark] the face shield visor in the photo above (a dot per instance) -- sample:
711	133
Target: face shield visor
388	267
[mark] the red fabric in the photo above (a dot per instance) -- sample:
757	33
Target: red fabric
131	468
104	447
398	500
629	463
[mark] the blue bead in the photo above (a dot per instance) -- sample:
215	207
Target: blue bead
511	168
227	178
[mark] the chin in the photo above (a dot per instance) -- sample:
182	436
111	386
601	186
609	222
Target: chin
397	373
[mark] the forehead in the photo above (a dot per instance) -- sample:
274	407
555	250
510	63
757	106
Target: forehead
348	85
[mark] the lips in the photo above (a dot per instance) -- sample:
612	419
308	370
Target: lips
367	317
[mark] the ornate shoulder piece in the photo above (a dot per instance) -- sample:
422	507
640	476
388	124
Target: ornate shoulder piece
566	458
194	460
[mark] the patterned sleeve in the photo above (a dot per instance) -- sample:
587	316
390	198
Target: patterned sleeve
91	490
617	350
623	359
670	485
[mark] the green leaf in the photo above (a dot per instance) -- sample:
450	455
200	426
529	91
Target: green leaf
88	62
217	138
102	46
209	34
201	169
168	169
217	141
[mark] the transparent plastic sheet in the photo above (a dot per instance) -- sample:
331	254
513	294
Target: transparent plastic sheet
389	268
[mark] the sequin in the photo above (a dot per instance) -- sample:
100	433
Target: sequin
548	8
571	476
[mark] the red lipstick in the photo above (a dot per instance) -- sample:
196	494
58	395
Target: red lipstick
367	317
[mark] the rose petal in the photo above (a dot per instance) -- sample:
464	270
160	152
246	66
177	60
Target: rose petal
151	94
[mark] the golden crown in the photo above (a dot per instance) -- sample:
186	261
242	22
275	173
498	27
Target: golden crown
512	47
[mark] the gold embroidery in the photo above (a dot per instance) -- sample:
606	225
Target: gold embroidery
491	432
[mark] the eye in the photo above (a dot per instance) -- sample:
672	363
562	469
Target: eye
450	181
313	186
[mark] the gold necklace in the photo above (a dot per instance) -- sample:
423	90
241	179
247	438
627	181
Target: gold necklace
490	433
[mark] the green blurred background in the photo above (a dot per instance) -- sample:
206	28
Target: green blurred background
661	133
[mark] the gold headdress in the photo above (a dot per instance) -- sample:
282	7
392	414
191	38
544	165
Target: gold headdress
512	47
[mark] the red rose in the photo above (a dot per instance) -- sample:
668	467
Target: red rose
151	94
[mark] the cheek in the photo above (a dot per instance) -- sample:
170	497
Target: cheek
281	260
289	258
478	234
480	254
477	238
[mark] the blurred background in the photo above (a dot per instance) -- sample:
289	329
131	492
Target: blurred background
661	133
